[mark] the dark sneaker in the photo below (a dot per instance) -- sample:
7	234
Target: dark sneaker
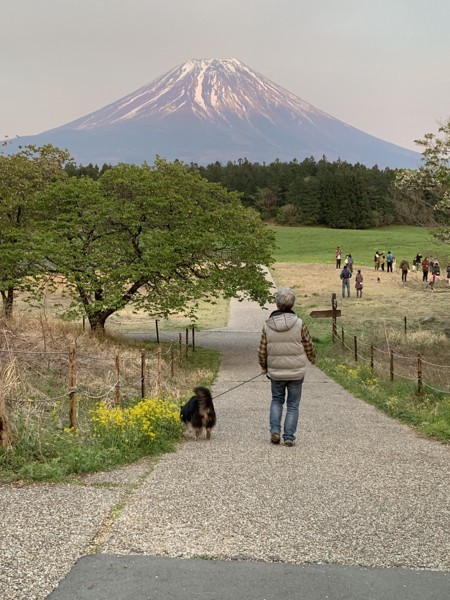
289	443
275	438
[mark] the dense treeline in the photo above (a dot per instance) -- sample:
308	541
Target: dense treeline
332	194
337	194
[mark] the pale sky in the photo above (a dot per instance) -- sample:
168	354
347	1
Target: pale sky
382	66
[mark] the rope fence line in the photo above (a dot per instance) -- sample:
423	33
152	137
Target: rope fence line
343	338
151	369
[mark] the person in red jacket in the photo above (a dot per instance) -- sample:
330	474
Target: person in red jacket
425	267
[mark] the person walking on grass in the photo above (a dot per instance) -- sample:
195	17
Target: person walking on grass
404	266
359	284
284	351
345	277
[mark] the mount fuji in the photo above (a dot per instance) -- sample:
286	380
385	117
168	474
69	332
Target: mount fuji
216	110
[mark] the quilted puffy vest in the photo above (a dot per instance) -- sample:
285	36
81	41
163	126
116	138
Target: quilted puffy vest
286	357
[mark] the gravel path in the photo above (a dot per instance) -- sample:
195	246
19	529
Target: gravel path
357	489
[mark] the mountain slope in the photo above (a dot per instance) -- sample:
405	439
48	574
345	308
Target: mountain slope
208	110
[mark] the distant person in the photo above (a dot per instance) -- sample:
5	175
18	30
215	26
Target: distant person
350	262
448	273
382	261
425	268
376	260
359	284
389	261
435	273
404	266
345	277
338	257
418	261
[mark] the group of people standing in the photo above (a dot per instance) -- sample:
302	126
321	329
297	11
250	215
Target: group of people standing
429	266
346	274
381	260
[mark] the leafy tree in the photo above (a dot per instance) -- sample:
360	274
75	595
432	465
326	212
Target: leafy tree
22	177
160	238
427	189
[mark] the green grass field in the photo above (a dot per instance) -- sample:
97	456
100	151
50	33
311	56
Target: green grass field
318	244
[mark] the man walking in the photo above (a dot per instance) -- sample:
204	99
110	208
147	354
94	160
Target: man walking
345	277
284	350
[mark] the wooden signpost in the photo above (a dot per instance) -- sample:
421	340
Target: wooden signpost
334	313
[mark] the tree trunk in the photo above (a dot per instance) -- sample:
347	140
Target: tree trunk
97	324
8	301
97	321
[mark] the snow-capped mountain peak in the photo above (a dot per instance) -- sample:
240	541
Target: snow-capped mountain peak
208	110
208	88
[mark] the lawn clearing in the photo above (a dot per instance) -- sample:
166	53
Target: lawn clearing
318	245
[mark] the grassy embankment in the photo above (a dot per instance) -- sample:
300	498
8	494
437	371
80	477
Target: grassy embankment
305	262
34	390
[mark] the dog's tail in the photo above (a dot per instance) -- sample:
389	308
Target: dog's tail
202	393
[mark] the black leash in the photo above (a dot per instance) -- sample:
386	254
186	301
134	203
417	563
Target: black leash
239	385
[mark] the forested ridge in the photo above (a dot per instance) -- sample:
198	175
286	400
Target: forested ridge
332	194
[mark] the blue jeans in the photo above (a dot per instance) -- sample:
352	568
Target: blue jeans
294	394
345	286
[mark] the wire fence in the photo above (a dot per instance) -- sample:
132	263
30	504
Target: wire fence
395	362
53	384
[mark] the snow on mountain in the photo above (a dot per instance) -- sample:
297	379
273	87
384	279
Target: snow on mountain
210	89
216	110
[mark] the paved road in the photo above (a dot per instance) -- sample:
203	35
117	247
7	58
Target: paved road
358	509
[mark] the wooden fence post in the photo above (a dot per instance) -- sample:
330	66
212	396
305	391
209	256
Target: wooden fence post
143	382
371	357
405	325
419	375
180	344
73	386
391	369
343	338
334	317
158	369
4	441
157	331
355	341
117	398
187	342
193	337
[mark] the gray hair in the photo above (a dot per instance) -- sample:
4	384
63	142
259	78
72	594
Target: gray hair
285	299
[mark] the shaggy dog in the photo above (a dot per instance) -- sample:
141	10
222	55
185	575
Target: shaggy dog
199	412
